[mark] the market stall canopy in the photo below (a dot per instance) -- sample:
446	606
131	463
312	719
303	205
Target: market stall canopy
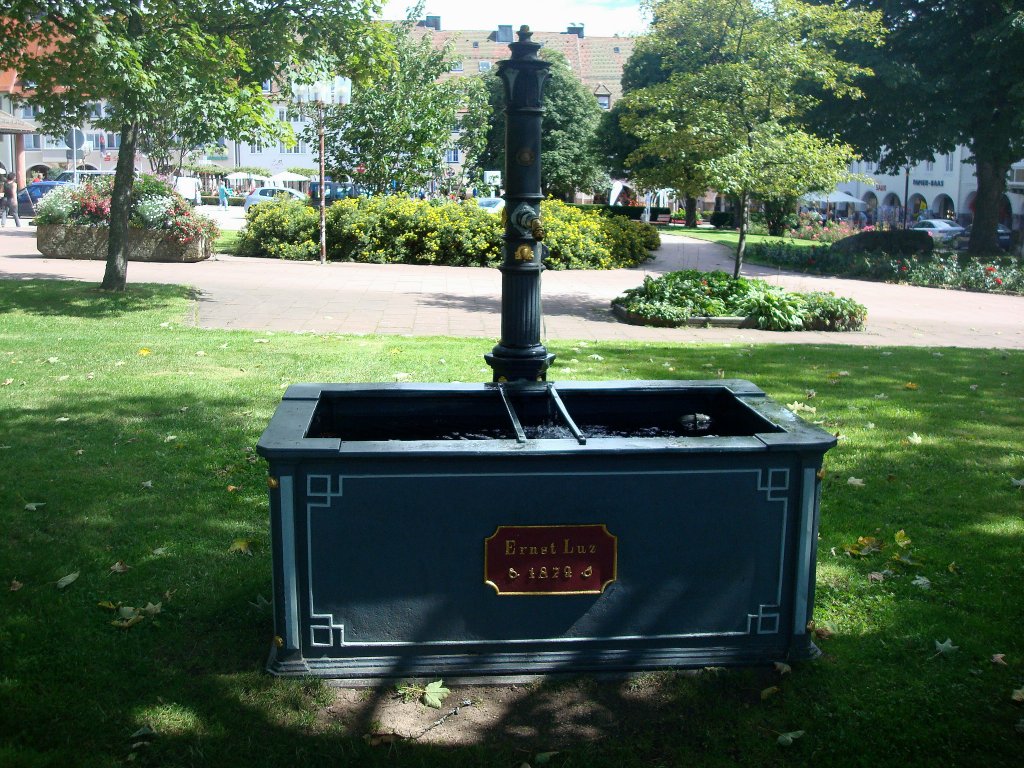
835	196
239	176
288	176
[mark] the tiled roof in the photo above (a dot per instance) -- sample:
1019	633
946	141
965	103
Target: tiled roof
597	61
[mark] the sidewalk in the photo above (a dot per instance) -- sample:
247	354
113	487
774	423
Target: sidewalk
264	294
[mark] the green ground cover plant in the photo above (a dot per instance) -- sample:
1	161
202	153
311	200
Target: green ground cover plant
397	229
678	297
1000	273
127	437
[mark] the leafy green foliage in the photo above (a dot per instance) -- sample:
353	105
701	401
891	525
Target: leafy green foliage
396	229
431	695
393	135
569	161
895	241
674	298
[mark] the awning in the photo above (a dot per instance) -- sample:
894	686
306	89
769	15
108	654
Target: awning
10	124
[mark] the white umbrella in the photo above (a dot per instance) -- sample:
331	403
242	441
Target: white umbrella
288	176
239	176
835	196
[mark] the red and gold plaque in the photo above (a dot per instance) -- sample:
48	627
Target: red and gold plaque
550	559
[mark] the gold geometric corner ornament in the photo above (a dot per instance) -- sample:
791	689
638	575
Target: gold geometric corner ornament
550	559
273	482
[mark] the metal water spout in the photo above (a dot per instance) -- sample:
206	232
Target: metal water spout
519	355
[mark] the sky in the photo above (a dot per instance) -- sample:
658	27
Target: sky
600	18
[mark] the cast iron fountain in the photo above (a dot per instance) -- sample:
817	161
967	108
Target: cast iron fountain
522	527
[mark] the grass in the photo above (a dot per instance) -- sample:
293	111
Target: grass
731	237
131	434
227	242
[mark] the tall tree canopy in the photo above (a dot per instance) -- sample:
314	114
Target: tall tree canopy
393	135
951	73
134	55
737	91
569	159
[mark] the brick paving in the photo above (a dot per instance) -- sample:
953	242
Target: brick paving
264	294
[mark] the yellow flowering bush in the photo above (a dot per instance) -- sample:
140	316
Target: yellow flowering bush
397	229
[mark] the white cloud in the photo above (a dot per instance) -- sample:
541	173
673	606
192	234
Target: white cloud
600	18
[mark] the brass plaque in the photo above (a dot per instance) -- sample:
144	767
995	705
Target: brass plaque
550	559
524	253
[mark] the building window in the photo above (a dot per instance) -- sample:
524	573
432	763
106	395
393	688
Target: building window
476	44
298	149
33	141
29	111
604	101
267	86
98	139
929	166
949	162
52	142
616	49
457	66
485	66
95	111
256	148
451	155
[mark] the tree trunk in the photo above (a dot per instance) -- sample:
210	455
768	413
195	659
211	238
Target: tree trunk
742	245
691	211
116	274
991	188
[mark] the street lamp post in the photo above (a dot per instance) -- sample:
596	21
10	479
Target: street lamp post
319	95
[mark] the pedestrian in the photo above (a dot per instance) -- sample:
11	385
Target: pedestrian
9	202
222	195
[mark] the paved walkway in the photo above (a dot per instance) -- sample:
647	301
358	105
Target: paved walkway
266	294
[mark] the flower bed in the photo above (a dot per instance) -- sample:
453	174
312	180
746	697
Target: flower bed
690	297
73	223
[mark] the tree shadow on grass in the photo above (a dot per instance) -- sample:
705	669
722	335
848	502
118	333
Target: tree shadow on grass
72	298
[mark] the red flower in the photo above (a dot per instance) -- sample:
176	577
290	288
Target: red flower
999	281
903	268
990	269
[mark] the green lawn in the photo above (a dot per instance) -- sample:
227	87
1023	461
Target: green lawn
731	237
226	242
128	438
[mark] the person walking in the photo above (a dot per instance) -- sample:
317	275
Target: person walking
9	202
222	195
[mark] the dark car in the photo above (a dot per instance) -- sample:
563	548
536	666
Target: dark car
30	196
333	190
1004	238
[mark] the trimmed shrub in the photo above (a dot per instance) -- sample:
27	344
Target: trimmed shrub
395	229
722	220
895	241
828	312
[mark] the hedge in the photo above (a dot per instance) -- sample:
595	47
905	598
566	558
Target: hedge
397	229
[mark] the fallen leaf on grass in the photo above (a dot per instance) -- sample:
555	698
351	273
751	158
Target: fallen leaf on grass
910	385
233	488
127	623
7	382
33	506
261	341
120	567
145	352
821	633
66	580
866	545
108	605
160	551
856	482
953	568
876	576
999	658
435	693
922	582
376	739
15	585
62	419
787	739
782	668
170	438
914	439
242	546
767	693
798	407
902	539
1017	483
152	609
942	649
147	483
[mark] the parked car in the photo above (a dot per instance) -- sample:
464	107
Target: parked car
30	196
333	190
941	230
68	177
491	204
1004	238
265	194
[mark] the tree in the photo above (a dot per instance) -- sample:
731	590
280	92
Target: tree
569	158
393	135
736	94
136	54
950	74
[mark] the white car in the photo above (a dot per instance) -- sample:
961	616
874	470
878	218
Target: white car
266	194
939	229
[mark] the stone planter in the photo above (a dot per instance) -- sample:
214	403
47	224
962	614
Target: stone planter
76	241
